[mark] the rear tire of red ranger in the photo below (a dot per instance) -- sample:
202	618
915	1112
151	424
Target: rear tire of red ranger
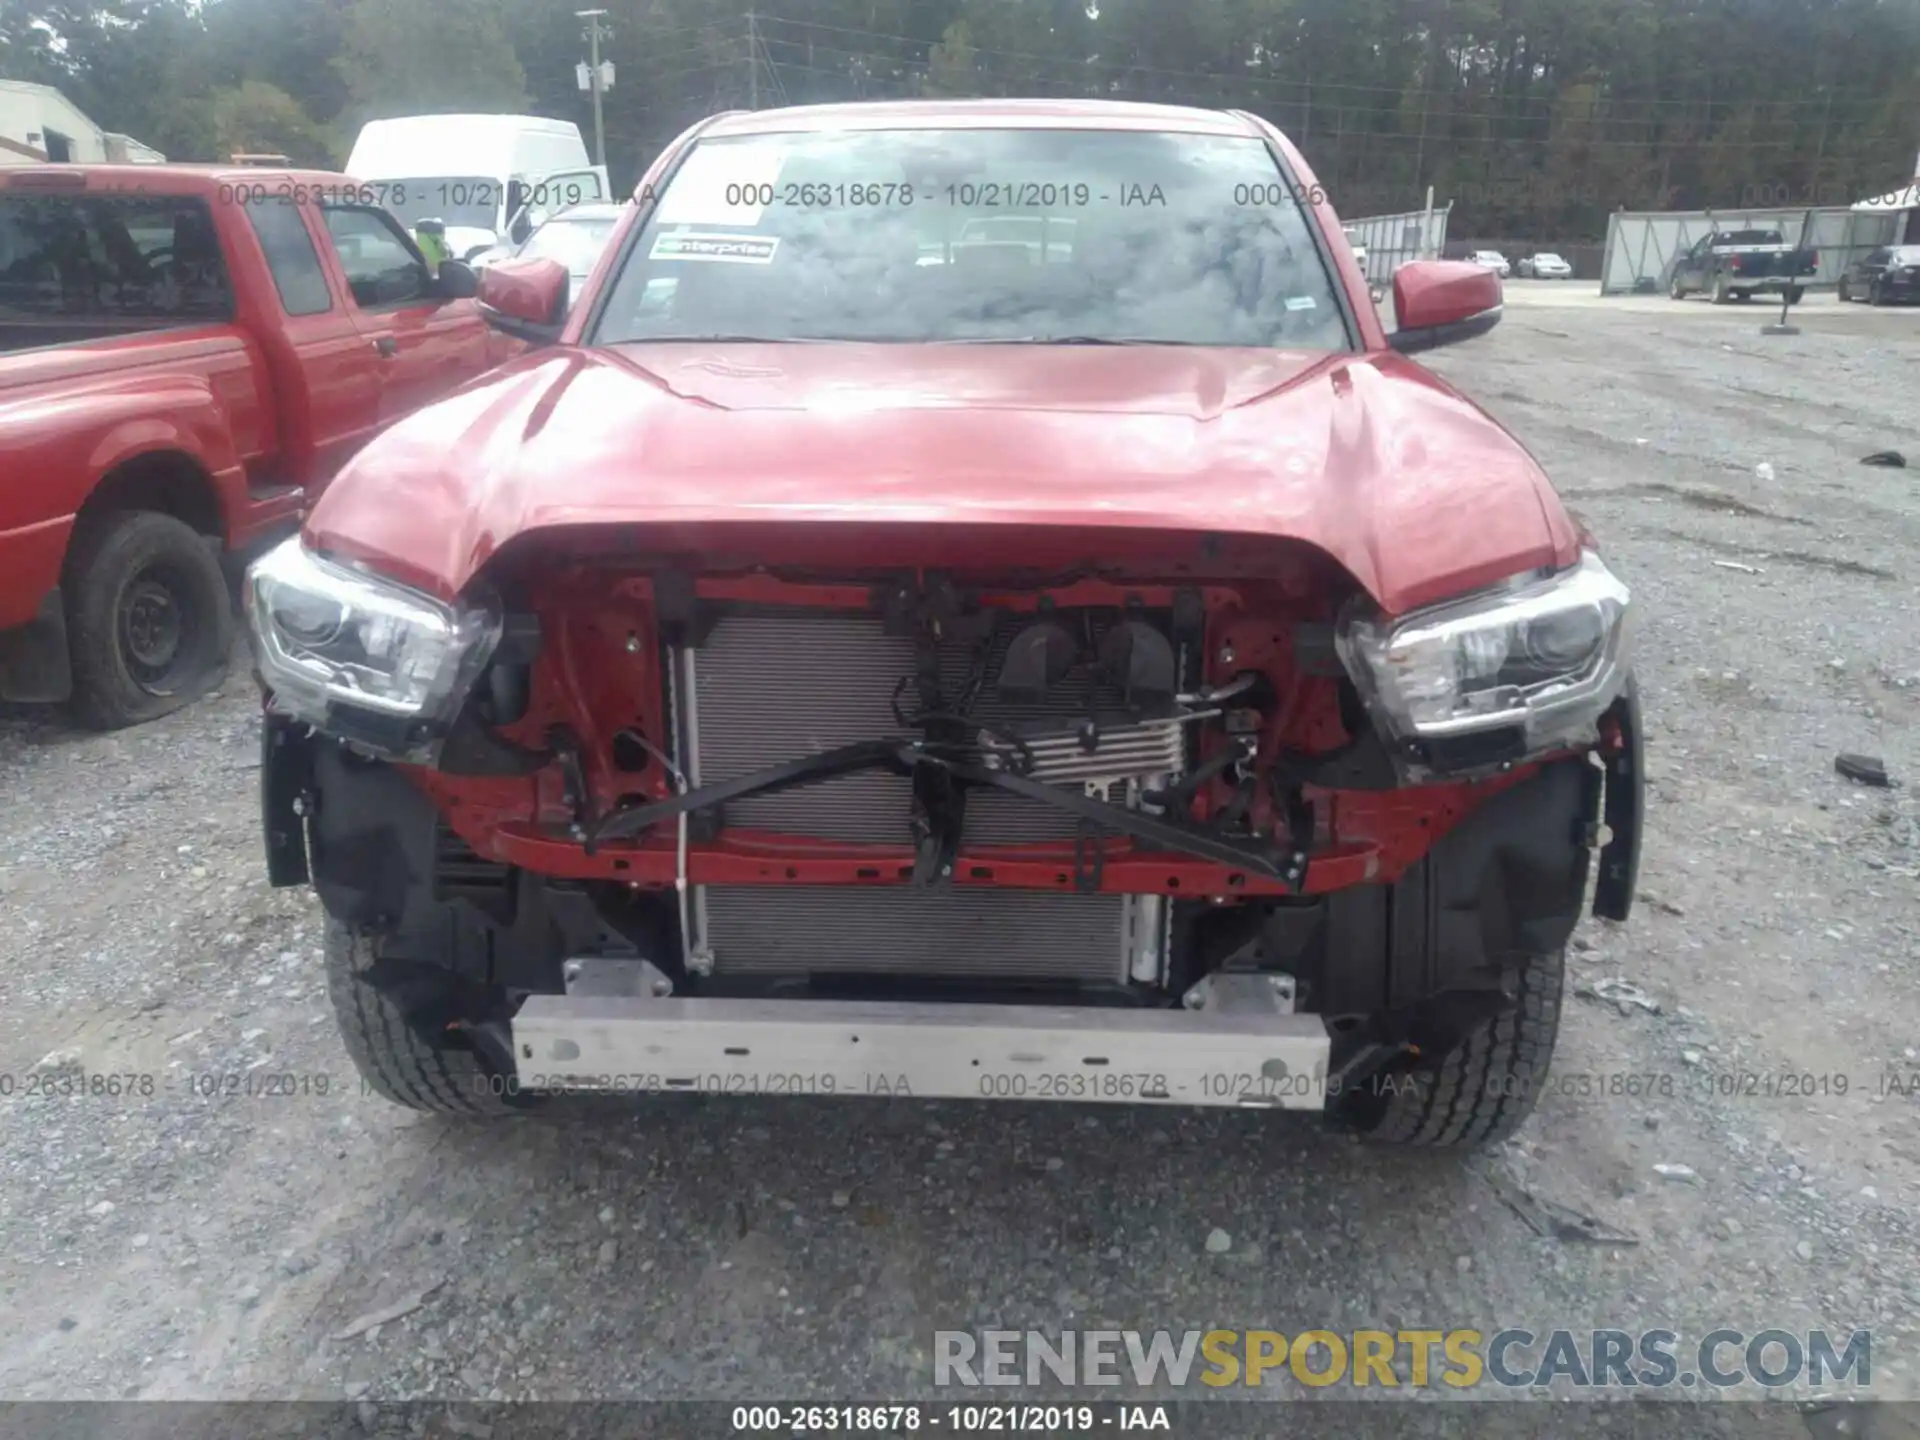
388	1052
1483	1089
149	618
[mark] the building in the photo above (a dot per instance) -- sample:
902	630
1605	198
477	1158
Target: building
38	124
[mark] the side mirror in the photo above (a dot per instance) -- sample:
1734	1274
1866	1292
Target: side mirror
526	299
456	281
1442	302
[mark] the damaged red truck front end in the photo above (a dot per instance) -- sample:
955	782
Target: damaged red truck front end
852	655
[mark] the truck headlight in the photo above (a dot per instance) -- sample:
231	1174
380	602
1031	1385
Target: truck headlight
362	657
1495	677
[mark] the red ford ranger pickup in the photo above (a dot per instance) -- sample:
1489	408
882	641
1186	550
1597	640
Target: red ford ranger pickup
862	651
186	357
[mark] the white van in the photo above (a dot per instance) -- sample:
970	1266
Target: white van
487	178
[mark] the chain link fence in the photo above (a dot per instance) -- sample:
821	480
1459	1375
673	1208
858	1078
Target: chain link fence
1642	245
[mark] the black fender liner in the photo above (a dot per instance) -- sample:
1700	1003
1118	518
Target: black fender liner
1506	883
1418	963
1625	764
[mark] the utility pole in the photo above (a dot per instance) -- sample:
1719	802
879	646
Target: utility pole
753	61
594	35
1820	150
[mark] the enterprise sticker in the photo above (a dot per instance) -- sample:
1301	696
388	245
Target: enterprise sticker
728	249
1300	302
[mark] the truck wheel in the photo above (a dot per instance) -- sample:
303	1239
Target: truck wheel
390	1055
1481	1091
149	617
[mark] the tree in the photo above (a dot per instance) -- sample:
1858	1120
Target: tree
289	44
950	67
257	118
412	57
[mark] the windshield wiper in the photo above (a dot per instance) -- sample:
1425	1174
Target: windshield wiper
1073	340
718	338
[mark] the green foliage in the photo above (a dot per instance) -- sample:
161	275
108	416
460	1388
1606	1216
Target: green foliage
950	63
409	57
1536	116
257	118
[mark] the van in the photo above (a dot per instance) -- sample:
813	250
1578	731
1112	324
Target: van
484	177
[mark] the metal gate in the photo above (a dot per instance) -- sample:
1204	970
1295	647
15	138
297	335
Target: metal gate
1642	245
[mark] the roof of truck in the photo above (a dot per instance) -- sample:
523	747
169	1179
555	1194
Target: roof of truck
170	179
984	115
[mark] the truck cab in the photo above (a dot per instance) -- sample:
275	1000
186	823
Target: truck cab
489	179
187	355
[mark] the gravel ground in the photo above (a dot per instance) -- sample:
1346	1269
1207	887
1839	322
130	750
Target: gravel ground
197	1242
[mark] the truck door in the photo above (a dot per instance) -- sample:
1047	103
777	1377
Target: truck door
326	377
548	196
426	344
1691	268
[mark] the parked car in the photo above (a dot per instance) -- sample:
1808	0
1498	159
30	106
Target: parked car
1739	264
1887	276
1133	679
186	357
575	237
1494	261
1545	265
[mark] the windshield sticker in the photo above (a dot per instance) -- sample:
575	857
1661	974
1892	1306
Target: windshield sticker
728	249
1300	302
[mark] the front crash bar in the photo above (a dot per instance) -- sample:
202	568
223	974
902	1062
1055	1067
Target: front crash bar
1166	832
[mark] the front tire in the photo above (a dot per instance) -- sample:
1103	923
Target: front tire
1481	1091
388	1051
149	616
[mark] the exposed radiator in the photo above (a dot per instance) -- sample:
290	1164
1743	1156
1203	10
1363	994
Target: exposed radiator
903	930
769	688
775	687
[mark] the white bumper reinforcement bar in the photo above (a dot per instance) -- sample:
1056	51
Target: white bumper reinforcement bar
1240	1047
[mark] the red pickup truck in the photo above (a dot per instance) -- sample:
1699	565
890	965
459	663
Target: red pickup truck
186	357
849	655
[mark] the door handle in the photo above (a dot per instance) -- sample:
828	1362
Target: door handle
387	346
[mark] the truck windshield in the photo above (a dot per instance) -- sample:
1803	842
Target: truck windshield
469	201
915	236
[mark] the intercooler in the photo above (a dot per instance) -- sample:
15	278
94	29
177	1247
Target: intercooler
772	687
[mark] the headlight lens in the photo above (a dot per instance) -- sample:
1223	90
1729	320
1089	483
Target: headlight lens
360	656
1542	657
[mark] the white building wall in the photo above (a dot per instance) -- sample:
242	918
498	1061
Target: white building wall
28	112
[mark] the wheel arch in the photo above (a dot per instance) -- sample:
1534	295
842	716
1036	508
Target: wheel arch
168	480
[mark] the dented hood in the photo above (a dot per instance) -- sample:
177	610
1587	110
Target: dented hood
1406	484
